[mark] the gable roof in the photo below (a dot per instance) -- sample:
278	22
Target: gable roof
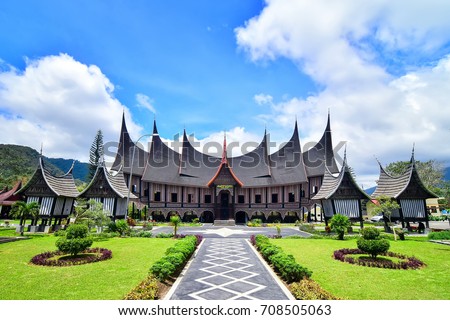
8	197
115	181
396	186
331	183
61	186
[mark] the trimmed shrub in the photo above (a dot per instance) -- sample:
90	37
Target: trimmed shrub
77	231
146	290
75	240
175	258
308	289
371	243
282	263
440	235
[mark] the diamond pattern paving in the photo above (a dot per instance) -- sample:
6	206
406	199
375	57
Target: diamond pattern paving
227	269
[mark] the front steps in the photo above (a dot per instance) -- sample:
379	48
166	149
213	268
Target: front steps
224	223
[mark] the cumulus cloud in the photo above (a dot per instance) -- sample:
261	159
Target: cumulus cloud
372	61
61	103
145	102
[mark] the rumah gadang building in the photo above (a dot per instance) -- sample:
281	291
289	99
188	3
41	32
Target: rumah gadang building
272	187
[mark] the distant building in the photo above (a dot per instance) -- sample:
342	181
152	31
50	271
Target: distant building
8	198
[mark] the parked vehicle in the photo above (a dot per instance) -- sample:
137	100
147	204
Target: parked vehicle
377	218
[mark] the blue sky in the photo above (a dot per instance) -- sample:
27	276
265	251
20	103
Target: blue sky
68	68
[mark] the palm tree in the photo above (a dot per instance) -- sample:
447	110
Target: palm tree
175	221
23	210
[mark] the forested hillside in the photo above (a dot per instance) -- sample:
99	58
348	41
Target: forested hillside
20	162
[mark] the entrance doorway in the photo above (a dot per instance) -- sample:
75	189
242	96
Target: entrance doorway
224	205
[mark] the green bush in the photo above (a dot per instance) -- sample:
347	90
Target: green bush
75	240
373	247
146	290
440	235
73	246
60	233
308	289
174	259
77	231
284	264
122	227
288	268
370	233
339	224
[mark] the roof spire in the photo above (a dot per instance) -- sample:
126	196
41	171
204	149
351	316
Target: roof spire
413	161
224	151
328	121
155	130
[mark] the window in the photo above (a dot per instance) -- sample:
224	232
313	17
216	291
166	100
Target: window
302	193
174	197
134	188
291	197
241	199
146	192
207	198
257	198
157	196
274	197
190	198
315	189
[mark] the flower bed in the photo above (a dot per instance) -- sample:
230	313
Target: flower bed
405	263
60	259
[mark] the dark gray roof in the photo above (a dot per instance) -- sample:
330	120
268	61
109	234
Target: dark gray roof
397	187
256	168
321	156
61	186
115	181
124	155
331	184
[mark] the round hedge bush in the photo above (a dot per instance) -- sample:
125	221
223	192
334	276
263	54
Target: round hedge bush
75	240
371	242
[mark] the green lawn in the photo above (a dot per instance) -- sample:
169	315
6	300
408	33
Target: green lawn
105	280
363	283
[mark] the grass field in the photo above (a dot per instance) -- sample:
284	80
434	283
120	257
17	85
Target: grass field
363	283
105	280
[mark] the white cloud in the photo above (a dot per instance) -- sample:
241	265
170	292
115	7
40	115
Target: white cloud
145	102
347	48
61	103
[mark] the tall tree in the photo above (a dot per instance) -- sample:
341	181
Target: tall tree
95	154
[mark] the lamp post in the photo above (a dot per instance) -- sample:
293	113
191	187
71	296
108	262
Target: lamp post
131	170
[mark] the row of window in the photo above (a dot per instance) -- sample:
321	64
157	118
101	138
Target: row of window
240	199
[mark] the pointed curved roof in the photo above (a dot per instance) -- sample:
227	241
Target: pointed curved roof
321	155
163	162
125	151
63	186
399	186
331	183
115	181
196	167
253	168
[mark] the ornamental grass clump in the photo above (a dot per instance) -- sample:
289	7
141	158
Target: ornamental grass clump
371	242
76	240
339	224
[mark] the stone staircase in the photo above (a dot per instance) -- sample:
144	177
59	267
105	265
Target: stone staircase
224	223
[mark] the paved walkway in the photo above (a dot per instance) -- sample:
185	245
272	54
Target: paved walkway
227	269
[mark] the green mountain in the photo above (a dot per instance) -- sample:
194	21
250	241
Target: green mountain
20	162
